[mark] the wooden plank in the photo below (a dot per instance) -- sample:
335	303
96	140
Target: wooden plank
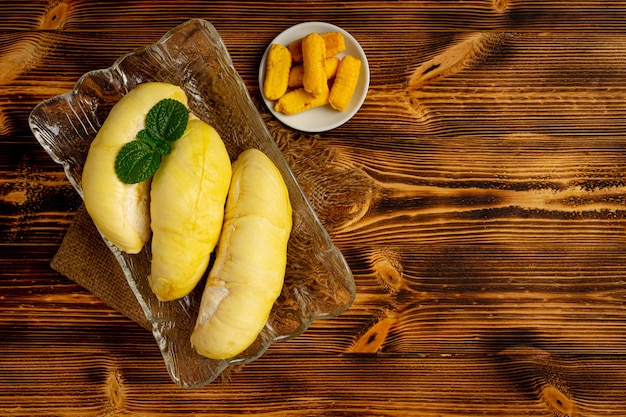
517	382
376	16
487	84
478	197
545	190
436	300
410	300
552	170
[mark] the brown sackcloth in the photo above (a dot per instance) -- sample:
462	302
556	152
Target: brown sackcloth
85	259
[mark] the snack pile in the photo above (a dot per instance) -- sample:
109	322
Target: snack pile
308	73
157	174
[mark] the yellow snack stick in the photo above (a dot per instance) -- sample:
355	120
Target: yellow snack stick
313	58
295	48
296	74
345	82
334	41
331	66
277	66
299	100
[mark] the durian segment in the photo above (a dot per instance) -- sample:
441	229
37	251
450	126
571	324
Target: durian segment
187	209
121	211
248	274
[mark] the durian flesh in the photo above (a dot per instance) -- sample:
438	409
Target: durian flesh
249	269
121	211
187	209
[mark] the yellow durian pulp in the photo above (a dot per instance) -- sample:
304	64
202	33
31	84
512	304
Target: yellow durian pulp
121	211
249	269
187	209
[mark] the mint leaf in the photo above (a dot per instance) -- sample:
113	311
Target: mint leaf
167	120
163	148
157	145
145	137
136	162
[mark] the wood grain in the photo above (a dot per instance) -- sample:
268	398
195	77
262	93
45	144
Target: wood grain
478	196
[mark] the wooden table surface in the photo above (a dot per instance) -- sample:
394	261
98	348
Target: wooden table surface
487	237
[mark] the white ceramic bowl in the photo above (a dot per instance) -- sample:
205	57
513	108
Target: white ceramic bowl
321	119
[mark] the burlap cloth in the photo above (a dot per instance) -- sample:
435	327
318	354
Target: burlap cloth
85	259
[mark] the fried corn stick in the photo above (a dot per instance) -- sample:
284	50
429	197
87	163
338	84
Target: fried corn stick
277	67
299	100
296	74
314	79
334	41
345	82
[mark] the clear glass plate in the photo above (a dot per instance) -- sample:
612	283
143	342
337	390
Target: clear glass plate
318	281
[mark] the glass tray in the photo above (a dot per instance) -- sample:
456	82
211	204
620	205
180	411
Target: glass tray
318	281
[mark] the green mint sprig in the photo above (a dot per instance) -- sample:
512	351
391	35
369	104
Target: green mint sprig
139	159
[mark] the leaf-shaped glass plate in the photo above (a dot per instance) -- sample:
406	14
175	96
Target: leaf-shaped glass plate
318	281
